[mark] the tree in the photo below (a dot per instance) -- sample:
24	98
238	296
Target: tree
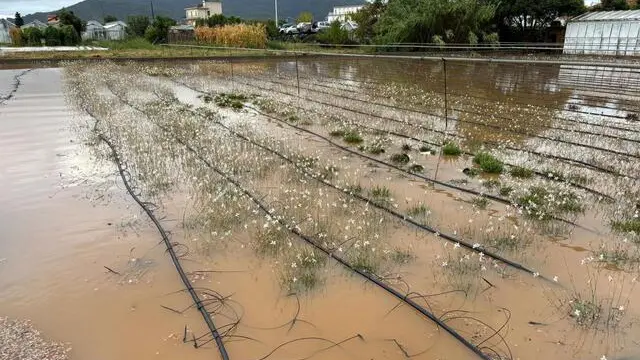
69	18
69	36
611	5
335	34
218	20
52	36
158	32
305	17
366	18
19	21
33	36
137	25
419	21
527	20
110	18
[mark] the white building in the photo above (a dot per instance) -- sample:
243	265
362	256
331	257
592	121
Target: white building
343	13
203	11
116	30
5	26
35	24
604	33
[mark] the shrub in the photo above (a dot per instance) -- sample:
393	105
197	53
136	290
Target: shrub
33	36
488	163
52	36
451	149
69	36
16	36
240	35
335	34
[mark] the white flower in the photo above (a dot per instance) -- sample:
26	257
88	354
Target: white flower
295	279
294	265
576	312
621	308
536	274
444	263
456	245
476	245
555	278
603	357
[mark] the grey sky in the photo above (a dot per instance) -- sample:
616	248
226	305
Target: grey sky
9	7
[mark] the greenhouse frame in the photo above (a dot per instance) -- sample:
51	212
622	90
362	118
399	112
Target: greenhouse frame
615	33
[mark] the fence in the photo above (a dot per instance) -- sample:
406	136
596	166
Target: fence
571	114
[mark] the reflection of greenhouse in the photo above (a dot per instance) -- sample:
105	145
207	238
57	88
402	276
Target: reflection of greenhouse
616	81
604	33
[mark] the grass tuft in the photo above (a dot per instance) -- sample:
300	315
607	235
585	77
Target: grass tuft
400	158
506	190
480	202
400	256
416	168
352	137
406	147
488	163
521	172
627	226
381	194
451	149
542	204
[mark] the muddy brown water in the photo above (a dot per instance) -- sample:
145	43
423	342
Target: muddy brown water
65	217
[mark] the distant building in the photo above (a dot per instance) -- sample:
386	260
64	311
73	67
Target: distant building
343	13
116	30
52	20
5	26
35	24
604	33
202	11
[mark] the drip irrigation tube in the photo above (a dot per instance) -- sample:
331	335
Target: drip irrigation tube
559	118
434	181
327	252
479	123
583	163
396	214
165	237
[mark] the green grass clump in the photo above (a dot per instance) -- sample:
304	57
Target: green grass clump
302	271
490	184
506	190
542	204
381	195
234	101
586	313
337	133
400	158
406	147
627	226
352	137
488	163
425	149
354	189
521	172
451	149
372	149
480	202
418	211
471	172
207	98
416	168
617	256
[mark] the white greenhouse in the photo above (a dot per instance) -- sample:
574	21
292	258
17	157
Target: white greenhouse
604	33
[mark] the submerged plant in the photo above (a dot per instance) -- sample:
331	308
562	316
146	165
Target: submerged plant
542	204
232	100
488	163
400	158
451	149
381	194
416	168
521	172
480	202
352	137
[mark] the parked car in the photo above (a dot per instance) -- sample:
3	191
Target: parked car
291	30
319	26
282	29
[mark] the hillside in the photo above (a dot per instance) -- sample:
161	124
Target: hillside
246	9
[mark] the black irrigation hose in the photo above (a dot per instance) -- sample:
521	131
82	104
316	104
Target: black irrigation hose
165	237
572	97
330	254
396	214
583	163
538	173
434	181
16	85
559	118
479	123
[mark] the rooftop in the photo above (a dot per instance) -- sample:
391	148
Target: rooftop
609	15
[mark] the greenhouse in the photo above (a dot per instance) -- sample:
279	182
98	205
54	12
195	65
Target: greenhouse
604	33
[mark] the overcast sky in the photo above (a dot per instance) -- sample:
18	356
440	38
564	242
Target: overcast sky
9	7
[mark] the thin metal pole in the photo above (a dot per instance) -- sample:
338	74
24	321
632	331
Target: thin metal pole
446	98
297	74
233	85
276	13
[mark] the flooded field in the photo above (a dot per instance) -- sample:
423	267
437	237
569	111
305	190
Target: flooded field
325	209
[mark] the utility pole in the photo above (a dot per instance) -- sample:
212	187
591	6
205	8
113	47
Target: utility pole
153	15
276	13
